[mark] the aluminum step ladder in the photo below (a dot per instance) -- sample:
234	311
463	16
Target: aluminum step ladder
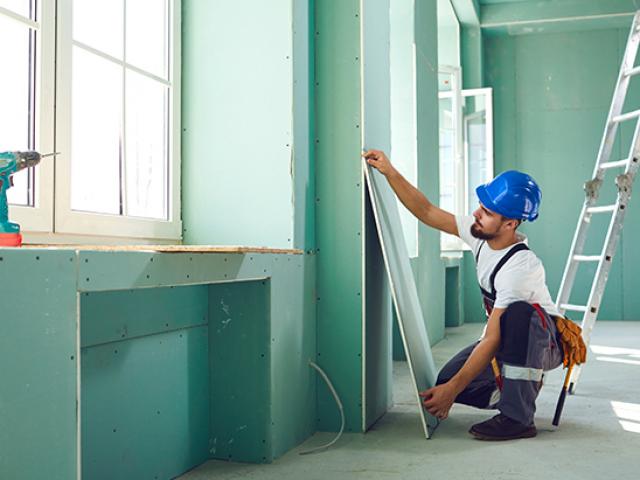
624	182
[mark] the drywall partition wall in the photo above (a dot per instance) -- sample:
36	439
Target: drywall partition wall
526	17
304	202
38	427
376	133
403	107
240	348
430	277
144	350
405	296
144	382
552	93
448	34
237	120
377	351
339	214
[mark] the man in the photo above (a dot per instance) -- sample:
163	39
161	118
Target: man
520	335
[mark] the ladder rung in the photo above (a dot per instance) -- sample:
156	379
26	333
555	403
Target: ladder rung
573	308
619	163
632	72
587	258
606	208
626	116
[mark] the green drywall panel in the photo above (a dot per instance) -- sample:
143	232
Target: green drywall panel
239	365
339	210
500	74
448	30
38	352
453	313
551	98
378	332
117	315
292	315
472	298
376	133
430	269
303	125
467	11
403	107
237	123
293	345
471	57
562	71
397	346
145	410
534	17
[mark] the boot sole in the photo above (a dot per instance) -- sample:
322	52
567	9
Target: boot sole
482	436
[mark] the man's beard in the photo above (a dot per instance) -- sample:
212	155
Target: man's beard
481	235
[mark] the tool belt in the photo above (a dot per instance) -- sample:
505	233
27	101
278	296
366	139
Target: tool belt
570	338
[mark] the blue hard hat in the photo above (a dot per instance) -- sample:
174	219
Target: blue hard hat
512	194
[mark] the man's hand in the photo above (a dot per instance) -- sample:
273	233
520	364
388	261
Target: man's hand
378	160
438	400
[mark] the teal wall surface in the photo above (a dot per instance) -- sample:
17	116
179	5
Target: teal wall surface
339	209
181	357
552	93
429	266
38	428
246	117
144	413
248	154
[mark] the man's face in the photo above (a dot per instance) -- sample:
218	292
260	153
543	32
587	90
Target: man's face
488	224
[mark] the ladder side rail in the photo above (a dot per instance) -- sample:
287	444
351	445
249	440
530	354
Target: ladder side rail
604	153
625	187
619	96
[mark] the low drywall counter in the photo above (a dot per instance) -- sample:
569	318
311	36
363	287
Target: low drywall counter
143	362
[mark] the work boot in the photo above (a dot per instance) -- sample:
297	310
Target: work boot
502	427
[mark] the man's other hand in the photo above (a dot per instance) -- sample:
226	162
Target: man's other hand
378	160
438	400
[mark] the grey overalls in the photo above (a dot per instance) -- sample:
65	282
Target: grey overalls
528	346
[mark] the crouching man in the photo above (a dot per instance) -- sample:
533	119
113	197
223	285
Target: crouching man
504	369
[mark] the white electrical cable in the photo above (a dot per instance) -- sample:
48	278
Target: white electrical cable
340	407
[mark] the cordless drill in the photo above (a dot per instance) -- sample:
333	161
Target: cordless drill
10	163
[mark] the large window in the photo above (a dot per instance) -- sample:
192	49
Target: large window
116	124
465	133
466	150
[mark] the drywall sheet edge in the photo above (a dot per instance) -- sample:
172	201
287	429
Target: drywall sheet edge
403	290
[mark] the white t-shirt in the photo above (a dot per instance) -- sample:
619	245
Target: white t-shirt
522	278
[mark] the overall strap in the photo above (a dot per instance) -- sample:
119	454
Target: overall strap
478	252
515	249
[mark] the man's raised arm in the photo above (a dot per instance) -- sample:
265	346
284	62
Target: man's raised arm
412	198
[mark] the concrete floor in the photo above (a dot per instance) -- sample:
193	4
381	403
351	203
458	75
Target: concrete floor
599	436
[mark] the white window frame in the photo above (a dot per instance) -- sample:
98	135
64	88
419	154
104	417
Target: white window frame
488	93
461	148
52	220
39	218
451	242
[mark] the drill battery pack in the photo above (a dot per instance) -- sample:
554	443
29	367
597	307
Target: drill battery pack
10	239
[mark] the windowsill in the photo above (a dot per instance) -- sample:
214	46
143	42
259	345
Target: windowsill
167	248
451	254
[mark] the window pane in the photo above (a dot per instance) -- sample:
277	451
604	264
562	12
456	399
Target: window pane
95	130
16	119
146	147
99	24
478	167
21	7
147	35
